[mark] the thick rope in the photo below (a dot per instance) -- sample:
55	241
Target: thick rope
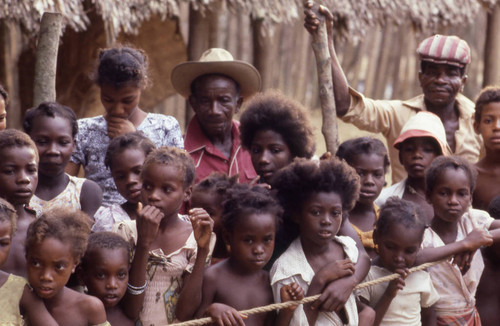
288	304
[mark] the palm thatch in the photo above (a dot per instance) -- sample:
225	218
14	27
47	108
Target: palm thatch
352	17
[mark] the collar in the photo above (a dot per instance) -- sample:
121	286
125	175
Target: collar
464	105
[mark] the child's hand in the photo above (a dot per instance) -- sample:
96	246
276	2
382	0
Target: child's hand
477	238
337	269
118	126
292	291
397	284
463	260
148	222
202	226
224	315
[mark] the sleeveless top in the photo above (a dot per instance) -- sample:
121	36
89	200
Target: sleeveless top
68	197
10	296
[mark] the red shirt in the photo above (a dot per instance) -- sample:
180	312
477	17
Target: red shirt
208	158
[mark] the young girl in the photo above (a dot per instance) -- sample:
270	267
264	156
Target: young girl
314	197
250	220
122	74
3	112
422	139
16	299
368	156
125	156
275	129
209	194
450	183
53	128
55	243
405	301
18	180
104	270
167	247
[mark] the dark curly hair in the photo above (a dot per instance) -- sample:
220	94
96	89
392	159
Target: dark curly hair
15	138
487	95
175	157
274	111
441	163
399	211
122	66
130	140
242	200
8	213
216	181
105	240
349	149
50	109
67	225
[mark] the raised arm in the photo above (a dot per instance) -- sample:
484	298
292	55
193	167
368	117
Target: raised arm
315	14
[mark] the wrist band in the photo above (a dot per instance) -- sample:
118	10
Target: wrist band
136	290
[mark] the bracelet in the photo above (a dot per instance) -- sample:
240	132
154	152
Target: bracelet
136	290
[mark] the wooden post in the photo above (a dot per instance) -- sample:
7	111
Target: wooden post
491	48
46	58
325	84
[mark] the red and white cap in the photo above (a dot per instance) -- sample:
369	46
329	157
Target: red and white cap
445	49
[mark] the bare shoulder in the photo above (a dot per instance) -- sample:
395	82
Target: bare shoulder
91	307
91	187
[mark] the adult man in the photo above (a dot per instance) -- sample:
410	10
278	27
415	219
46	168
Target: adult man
215	87
442	77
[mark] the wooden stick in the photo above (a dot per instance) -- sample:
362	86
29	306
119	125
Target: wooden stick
46	58
325	84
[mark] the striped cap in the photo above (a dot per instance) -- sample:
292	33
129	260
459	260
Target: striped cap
445	49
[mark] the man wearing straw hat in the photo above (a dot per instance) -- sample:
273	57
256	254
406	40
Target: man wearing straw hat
215	86
443	60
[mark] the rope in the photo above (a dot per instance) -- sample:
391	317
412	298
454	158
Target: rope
288	304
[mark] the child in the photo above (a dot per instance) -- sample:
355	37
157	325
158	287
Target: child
422	139
16	299
450	183
55	243
122	75
314	197
368	156
487	124
125	156
275	129
3	112
167	247
53	128
104	270
407	300
209	195
18	180
250	220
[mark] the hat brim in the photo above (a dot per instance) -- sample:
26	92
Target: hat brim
445	149
246	75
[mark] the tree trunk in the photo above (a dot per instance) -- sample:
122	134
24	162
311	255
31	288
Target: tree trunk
262	49
492	48
46	58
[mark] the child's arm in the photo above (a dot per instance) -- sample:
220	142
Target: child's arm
428	316
148	222
292	291
90	197
190	296
366	314
34	309
389	294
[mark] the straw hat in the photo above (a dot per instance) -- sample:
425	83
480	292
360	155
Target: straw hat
424	124
216	61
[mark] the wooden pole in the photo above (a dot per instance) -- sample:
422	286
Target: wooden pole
491	48
329	127
46	58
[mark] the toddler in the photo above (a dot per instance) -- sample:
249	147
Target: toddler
407	300
55	243
53	128
122	75
125	156
18	180
368	156
169	248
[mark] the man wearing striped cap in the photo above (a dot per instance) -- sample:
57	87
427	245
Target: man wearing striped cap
442	77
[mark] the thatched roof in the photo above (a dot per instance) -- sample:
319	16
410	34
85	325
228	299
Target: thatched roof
353	17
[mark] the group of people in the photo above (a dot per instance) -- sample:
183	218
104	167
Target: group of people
235	215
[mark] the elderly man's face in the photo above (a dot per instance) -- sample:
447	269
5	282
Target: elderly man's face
215	99
441	83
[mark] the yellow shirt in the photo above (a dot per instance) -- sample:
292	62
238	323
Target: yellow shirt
389	117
